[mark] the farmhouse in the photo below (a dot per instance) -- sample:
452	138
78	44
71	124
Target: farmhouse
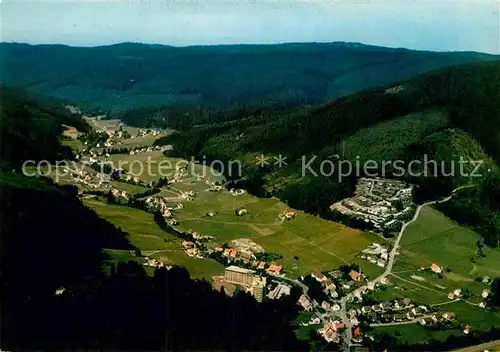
279	291
356	335
241	212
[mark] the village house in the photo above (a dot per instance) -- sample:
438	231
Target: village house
457	292
329	285
325	305
451	295
330	331
261	266
416	311
187	244
356	335
279	291
482	305
449	316
335	273
318	276
407	303
241	212
398	317
485	293
467	330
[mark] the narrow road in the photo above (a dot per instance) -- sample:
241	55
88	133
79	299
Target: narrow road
388	269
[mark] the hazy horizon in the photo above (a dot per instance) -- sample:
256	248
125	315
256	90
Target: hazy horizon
418	25
244	44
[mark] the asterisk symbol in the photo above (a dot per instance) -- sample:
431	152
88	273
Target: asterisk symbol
262	160
280	160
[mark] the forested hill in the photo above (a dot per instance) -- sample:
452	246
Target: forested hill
30	127
123	76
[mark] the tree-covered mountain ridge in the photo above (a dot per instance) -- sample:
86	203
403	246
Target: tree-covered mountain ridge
126	76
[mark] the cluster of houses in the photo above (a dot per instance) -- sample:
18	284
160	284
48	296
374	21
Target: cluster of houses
136	151
328	286
380	202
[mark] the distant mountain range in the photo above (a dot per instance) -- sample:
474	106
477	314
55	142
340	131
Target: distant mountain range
129	75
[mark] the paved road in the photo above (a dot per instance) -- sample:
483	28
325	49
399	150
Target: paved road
388	269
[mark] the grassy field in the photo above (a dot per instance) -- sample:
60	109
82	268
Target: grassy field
144	234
